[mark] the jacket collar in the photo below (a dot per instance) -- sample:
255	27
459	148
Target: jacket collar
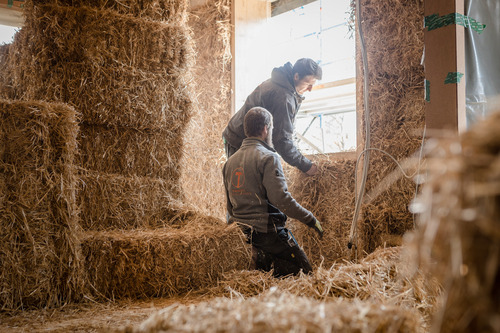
253	141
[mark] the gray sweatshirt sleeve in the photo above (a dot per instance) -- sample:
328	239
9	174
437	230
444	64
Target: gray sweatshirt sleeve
277	191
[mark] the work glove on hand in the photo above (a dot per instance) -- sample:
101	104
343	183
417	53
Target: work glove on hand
317	227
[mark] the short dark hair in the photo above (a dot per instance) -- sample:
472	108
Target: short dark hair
307	66
255	121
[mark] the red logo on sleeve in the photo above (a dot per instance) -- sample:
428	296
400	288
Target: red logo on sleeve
238	178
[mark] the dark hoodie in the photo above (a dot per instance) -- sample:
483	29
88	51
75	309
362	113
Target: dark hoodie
278	96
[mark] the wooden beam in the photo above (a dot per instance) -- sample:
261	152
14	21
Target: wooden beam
283	6
12	4
444	65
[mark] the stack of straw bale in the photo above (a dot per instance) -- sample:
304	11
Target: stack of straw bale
277	311
329	195
125	65
40	257
458	239
126	71
203	147
394	42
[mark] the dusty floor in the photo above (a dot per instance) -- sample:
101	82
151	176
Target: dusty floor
88	317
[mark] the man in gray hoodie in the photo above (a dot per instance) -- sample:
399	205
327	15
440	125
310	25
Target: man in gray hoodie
259	202
282	96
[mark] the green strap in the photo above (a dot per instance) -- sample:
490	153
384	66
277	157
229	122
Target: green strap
435	21
427	90
10	3
453	77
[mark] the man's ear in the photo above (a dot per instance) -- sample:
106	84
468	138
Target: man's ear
296	77
265	131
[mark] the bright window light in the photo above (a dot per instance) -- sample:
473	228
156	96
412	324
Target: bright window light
7	34
326	121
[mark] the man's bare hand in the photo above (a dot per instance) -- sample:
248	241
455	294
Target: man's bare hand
313	170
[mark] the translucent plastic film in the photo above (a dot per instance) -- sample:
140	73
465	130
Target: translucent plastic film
482	59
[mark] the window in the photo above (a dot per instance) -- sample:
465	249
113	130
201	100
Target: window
7	34
326	121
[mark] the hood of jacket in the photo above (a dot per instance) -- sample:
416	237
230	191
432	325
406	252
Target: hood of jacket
283	76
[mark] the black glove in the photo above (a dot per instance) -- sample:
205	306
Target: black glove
316	225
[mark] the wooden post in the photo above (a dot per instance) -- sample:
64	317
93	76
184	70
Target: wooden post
444	66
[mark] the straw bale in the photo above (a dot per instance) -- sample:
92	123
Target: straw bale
11	66
82	34
39	251
113	201
458	236
163	262
211	32
277	311
394	41
130	152
330	196
4	55
62	67
159	10
112	95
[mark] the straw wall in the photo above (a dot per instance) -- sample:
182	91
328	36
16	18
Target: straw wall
394	41
458	236
40	256
204	151
329	195
163	262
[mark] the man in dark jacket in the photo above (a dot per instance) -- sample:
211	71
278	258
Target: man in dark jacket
282	96
259	202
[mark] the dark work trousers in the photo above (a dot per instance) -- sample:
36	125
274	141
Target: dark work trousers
279	250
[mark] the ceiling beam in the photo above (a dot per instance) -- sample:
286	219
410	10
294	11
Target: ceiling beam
11	13
283	6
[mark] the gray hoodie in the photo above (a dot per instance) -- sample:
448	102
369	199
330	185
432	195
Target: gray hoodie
256	189
278	96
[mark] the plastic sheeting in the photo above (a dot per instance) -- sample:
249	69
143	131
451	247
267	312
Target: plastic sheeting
482	59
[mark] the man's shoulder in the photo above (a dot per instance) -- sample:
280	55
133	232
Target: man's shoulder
270	86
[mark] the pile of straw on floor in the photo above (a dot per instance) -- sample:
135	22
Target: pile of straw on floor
381	278
356	294
458	239
40	256
279	311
